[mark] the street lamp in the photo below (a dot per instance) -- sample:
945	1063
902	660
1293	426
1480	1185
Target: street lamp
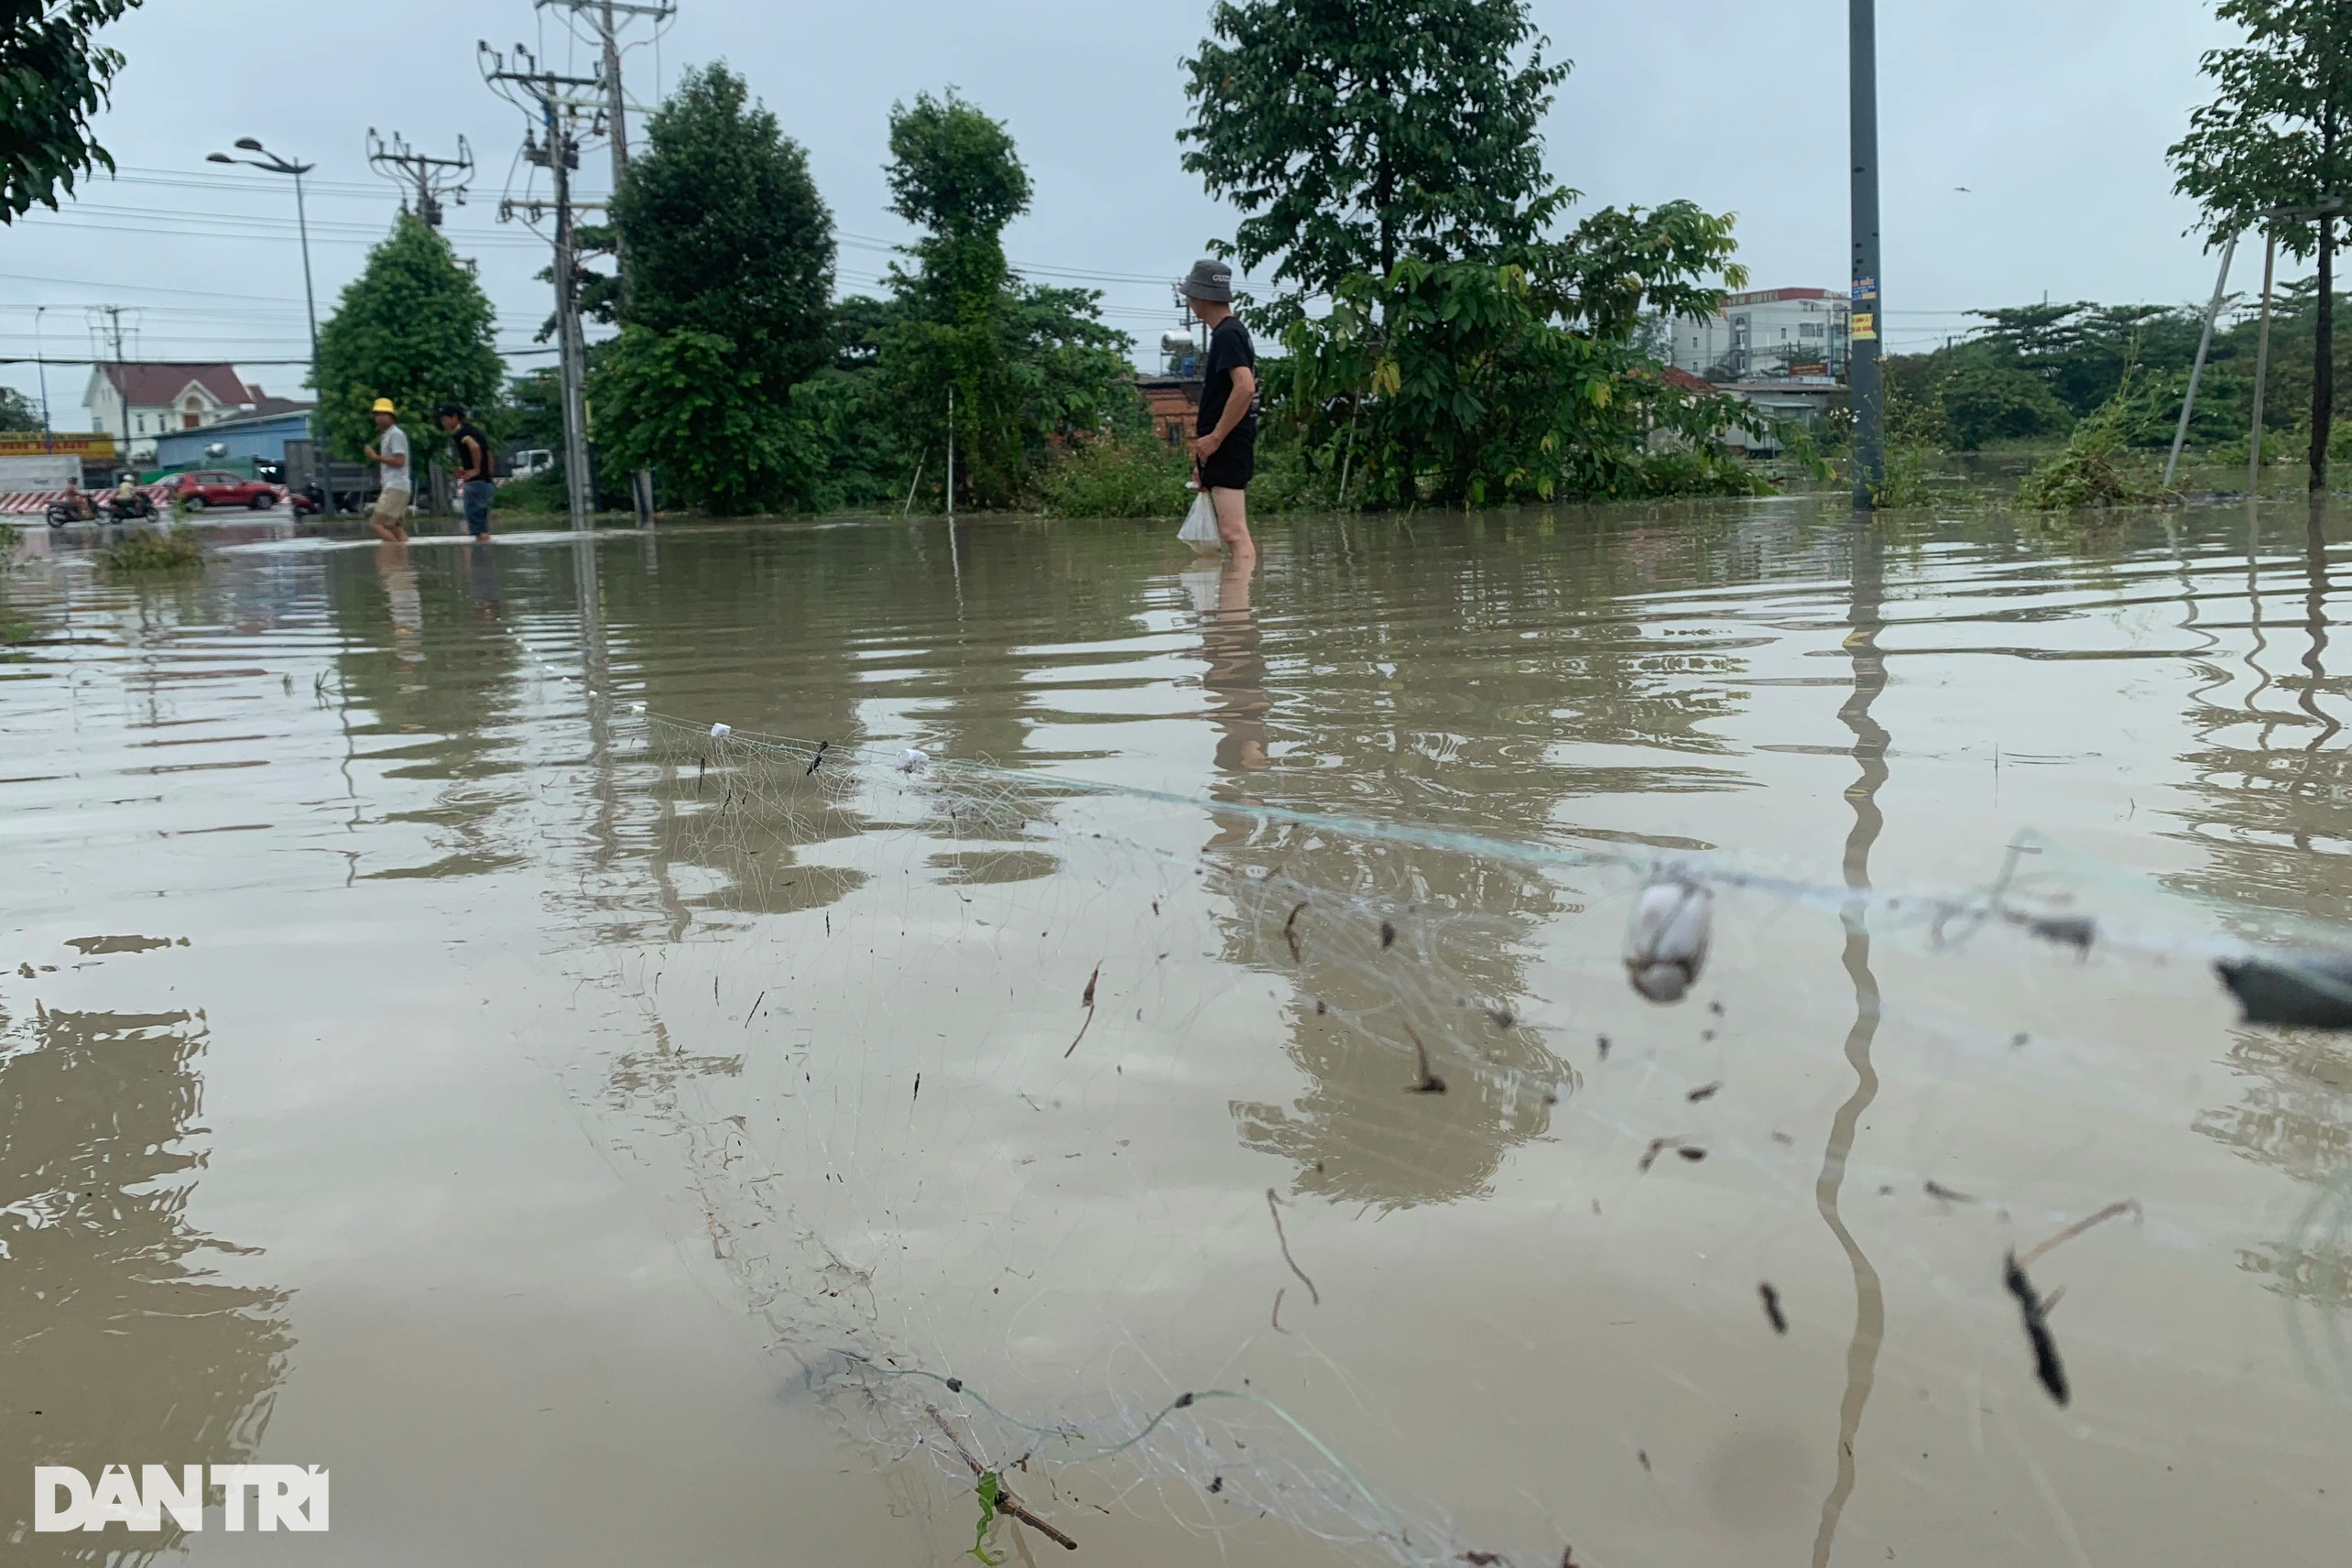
40	358
269	162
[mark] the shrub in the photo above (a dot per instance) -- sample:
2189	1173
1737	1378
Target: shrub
174	550
1110	477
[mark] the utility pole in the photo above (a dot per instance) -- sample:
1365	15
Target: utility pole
559	153
425	179
606	18
1865	389
114	330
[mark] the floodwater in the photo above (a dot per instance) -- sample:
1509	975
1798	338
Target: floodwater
595	1143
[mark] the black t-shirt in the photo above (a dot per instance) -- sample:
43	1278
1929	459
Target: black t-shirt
465	457
1229	350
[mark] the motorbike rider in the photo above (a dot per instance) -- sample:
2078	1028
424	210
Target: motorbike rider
77	501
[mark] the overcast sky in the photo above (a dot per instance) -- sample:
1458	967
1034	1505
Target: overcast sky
2054	114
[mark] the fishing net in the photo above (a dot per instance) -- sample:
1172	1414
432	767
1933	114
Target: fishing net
1132	1159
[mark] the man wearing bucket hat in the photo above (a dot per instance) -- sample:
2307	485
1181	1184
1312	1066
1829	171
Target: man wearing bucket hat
1225	443
390	452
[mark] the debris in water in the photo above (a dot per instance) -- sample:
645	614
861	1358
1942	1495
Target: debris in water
1501	1017
2124	1206
1704	1092
1428	1082
1938	1190
1388	936
2046	1365
1273	1206
1289	928
1216	1485
2077	931
2311	990
1482	1559
1603	1042
1772	1306
918	1088
720	732
1088	1002
1276	1319
817	761
994	1493
914	759
1666	946
1692	1153
1642	1455
1657	1146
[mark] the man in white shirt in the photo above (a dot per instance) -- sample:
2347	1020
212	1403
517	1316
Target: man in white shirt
390	455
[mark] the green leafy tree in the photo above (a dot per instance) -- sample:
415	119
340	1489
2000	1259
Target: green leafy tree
2278	135
1357	133
728	304
18	412
414	327
53	77
1027	363
1387	156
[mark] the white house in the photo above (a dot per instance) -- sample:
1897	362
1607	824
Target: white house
1777	334
136	403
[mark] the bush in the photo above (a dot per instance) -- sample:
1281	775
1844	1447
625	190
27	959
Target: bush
174	550
1109	477
2089	471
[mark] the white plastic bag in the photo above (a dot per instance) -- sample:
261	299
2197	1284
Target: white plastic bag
1200	529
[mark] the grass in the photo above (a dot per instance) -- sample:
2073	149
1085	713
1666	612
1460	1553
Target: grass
1109	477
174	550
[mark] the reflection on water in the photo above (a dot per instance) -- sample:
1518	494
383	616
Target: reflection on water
1871	743
119	1341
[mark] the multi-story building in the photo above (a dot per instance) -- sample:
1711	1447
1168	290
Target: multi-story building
1782	334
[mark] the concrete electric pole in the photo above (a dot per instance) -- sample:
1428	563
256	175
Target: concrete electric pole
605	19
1865	389
554	145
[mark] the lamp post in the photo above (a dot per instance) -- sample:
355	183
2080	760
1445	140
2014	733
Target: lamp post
40	358
269	162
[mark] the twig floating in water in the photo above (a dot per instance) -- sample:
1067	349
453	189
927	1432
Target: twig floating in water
2046	1365
2125	1207
1277	1308
1704	1092
1938	1190
1088	1002
817	761
1290	930
755	1010
1273	1206
1772	1306
918	1088
1657	1146
1006	1502
1428	1082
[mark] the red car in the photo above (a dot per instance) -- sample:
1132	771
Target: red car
210	487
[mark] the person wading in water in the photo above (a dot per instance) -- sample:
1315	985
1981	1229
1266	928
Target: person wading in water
1225	448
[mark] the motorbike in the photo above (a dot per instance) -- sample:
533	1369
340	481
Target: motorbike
138	504
64	513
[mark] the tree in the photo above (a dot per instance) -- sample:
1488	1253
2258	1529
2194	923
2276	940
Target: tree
53	77
1027	363
18	412
728	303
414	327
2279	136
1386	154
1356	133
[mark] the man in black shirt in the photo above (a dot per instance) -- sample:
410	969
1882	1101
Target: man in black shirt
473	486
1225	443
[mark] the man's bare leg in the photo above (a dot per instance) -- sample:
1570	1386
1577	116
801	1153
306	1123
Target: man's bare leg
1233	524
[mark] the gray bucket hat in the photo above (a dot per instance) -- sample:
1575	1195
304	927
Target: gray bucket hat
1210	280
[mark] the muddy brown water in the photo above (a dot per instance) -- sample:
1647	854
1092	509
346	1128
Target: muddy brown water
407	1066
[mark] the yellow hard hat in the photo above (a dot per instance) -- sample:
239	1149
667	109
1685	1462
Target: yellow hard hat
384	406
